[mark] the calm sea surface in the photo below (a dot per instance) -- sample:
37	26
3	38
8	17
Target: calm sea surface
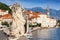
49	34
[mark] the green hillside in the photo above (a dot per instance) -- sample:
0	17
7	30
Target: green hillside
5	7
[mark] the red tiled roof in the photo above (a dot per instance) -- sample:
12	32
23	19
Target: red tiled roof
7	16
2	10
29	12
34	15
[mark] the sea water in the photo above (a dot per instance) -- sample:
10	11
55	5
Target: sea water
47	34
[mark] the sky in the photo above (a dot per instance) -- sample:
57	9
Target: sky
53	4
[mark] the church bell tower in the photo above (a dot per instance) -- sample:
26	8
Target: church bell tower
48	11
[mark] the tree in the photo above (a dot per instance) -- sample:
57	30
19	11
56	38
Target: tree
36	25
5	7
58	22
5	23
39	24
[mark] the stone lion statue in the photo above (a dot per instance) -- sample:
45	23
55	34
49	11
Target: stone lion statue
17	27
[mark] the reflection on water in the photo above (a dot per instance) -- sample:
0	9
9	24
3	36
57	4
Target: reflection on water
49	34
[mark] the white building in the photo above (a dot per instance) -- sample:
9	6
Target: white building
3	12
40	17
7	17
46	21
32	17
4	16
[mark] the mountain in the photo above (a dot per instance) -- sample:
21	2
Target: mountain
53	12
5	7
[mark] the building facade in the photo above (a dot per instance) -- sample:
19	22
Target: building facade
40	17
5	17
3	12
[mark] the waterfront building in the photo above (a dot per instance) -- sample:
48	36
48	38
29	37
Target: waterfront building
3	12
45	20
5	17
32	17
41	18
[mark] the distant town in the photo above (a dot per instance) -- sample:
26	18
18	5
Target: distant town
18	20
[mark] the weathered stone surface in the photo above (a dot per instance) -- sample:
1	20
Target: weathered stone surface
23	38
18	22
3	36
